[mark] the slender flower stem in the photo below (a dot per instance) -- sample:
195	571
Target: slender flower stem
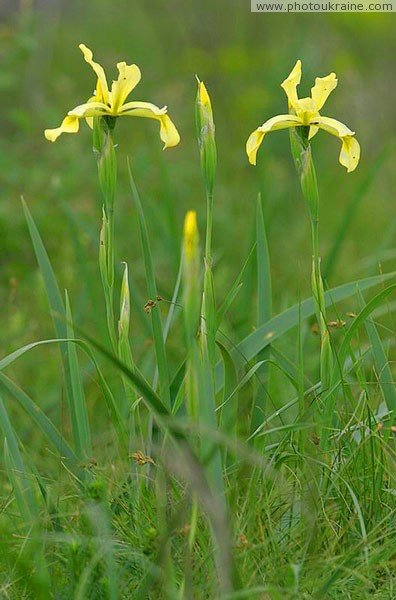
301	151
316	274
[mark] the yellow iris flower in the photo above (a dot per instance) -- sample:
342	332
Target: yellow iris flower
112	103
305	112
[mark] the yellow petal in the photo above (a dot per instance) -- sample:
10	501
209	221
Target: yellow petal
68	125
253	144
102	88
323	88
255	139
290	84
128	78
168	132
305	109
204	96
350	153
312	132
130	108
332	126
89	120
90	109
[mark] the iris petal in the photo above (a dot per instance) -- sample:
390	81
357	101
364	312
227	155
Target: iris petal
350	150
128	78
323	88
102	81
290	84
350	153
69	125
168	132
90	109
255	139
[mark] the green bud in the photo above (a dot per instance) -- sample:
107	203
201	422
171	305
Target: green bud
302	155
326	361
123	323
318	292
106	159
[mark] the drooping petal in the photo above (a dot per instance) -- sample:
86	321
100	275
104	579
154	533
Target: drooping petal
90	109
137	105
332	126
290	84
350	151
168	132
253	144
255	139
69	125
323	88
128	78
103	92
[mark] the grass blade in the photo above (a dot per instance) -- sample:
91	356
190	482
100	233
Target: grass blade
384	372
152	291
78	408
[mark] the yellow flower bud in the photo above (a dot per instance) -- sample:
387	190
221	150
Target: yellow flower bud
206	136
191	235
191	276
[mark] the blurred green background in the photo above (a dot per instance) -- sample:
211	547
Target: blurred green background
242	58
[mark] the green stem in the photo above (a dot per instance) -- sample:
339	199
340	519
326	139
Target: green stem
107	172
209	228
317	284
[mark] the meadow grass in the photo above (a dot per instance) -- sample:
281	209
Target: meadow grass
203	439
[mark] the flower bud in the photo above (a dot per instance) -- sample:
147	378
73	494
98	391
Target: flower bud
106	159
206	136
191	275
123	323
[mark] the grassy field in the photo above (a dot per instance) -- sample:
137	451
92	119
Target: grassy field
186	412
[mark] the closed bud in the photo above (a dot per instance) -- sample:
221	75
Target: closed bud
191	235
302	155
191	274
125	310
106	159
206	136
326	361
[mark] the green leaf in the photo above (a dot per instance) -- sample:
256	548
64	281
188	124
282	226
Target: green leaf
248	348
78	408
40	419
61	328
20	478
